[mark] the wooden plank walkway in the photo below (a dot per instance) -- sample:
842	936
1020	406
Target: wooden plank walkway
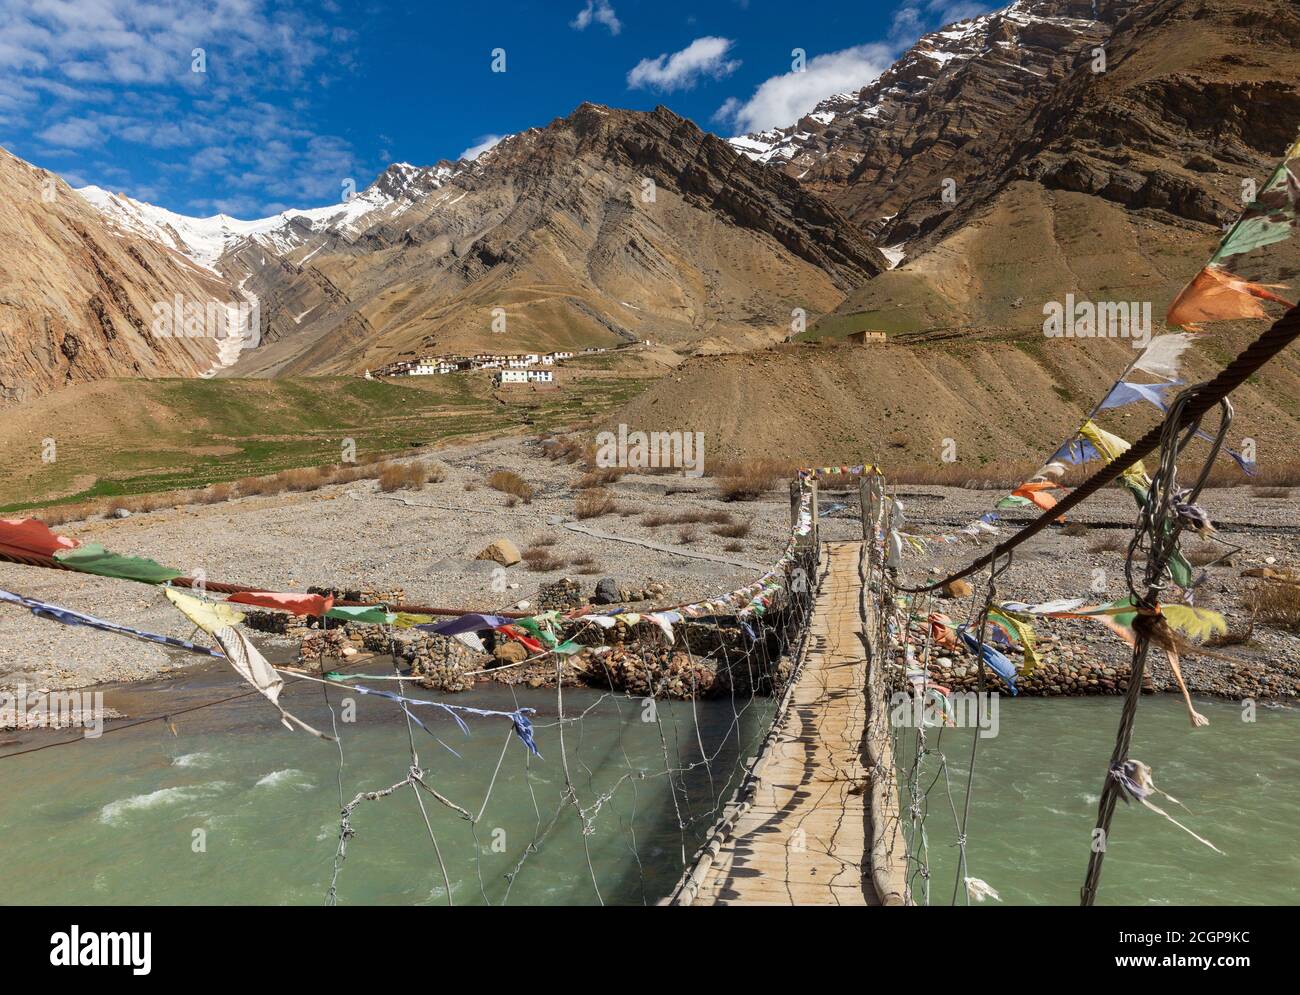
805	839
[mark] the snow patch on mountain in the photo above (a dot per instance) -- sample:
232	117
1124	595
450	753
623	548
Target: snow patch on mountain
206	240
934	56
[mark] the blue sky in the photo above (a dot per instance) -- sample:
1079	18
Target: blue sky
295	98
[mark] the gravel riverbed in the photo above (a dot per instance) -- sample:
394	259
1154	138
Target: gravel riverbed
424	543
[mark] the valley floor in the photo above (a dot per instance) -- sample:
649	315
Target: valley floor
425	542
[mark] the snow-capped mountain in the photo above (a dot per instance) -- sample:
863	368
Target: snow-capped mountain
416	262
207	240
869	151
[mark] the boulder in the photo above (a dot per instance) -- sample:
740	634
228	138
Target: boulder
509	651
502	551
607	592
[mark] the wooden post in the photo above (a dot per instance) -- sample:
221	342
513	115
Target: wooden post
864	503
816	533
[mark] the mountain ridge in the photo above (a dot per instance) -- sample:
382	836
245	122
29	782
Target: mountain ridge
79	299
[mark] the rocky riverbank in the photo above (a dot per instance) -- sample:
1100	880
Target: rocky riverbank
661	540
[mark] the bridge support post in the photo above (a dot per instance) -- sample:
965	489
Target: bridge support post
813	538
816	521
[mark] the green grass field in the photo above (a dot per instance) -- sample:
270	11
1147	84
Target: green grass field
173	434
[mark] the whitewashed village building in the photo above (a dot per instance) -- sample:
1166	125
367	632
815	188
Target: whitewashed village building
524	363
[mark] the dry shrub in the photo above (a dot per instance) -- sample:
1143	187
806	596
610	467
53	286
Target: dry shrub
593	504
838	482
1271	492
344	473
60	514
116	505
1275	603
1237	635
541	560
586	565
1206	555
734	547
1282	474
403	476
307	478
1108	544
600	477
1002	475
416	476
1075	529
990	476
752	479
567	448
734	530
218	493
509	482
687	536
273	484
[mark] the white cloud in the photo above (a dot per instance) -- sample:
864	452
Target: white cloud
230	130
908	24
75	133
949	11
915	17
600	12
782	100
485	142
682	70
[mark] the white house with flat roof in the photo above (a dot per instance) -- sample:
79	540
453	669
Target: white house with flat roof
504	377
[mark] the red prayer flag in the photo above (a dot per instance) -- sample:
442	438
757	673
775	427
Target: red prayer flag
297	604
30	537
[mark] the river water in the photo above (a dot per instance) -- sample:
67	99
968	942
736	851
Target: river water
233	808
1037	785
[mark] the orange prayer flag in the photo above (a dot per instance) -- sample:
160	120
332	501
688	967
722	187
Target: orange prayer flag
1216	295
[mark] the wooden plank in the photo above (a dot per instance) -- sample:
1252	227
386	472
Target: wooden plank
805	839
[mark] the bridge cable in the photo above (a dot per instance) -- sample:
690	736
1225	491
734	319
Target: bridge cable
1156	533
1200	399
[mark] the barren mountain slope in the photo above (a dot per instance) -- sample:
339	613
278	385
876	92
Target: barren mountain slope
1119	184
77	294
606	226
999	400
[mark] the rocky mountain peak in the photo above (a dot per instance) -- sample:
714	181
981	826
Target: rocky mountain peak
868	151
401	180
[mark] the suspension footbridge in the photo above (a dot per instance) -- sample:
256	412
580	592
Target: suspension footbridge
816	821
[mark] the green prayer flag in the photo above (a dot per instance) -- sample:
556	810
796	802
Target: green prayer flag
93	558
1180	570
361	613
